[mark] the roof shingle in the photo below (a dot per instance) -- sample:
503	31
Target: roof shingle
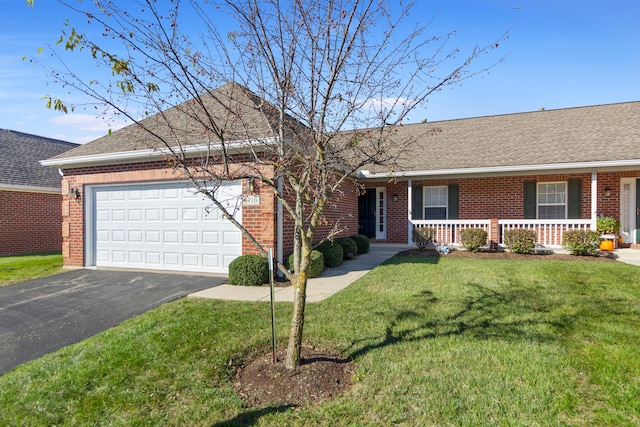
574	135
21	155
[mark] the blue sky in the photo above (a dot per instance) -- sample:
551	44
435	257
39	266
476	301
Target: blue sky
559	54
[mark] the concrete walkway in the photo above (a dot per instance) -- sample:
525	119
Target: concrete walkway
628	256
328	283
333	280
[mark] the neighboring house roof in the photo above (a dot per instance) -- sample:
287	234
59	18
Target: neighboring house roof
20	160
239	113
572	137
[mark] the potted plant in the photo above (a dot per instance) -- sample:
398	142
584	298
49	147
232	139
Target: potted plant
608	228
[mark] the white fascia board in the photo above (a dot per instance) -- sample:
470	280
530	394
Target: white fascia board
504	170
30	189
146	155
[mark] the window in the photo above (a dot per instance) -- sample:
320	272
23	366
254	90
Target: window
552	200
435	202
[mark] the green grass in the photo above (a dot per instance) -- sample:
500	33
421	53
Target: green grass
460	342
14	269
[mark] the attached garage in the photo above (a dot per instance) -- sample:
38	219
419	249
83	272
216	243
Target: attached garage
161	226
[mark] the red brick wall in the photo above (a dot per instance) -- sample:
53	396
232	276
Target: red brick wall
502	197
259	220
342	209
29	222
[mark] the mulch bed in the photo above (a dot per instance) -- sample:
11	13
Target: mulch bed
321	375
430	252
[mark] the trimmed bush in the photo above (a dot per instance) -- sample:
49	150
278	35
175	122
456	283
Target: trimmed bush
362	242
581	242
423	236
349	247
316	264
520	240
333	253
473	239
249	270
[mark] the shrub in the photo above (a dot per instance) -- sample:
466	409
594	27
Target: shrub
423	236
362	242
332	252
349	247
249	270
473	239
520	240
316	264
581	242
607	225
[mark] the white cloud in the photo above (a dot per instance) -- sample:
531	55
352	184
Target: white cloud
87	122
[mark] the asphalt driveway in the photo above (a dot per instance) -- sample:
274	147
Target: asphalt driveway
40	316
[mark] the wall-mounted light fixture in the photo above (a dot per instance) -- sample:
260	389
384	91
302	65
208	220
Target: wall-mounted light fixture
607	191
253	185
74	194
395	197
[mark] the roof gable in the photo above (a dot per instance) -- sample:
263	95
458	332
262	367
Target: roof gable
20	159
238	113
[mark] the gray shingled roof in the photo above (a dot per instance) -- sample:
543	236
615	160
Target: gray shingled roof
574	135
21	155
240	113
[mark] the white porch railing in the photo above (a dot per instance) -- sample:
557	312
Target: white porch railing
549	231
448	231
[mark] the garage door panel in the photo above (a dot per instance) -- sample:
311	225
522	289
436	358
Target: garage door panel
135	236
163	226
210	237
152	214
171	214
231	238
135	215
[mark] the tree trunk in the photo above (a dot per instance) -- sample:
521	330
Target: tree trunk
297	322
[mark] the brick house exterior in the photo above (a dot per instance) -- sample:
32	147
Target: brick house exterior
496	167
30	197
549	170
126	161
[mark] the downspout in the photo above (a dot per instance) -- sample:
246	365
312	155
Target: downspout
409	214
594	199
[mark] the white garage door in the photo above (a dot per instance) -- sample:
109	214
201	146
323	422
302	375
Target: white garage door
164	226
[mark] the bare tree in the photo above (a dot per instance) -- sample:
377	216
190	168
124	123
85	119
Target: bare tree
308	92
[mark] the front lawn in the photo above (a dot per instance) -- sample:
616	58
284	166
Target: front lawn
461	342
14	269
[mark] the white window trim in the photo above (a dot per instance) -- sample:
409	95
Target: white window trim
566	198
381	204
424	200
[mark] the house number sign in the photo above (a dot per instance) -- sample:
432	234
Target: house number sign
251	200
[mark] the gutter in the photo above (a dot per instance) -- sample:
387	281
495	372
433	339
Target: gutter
137	156
30	189
491	170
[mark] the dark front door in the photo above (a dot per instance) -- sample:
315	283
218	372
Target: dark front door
367	213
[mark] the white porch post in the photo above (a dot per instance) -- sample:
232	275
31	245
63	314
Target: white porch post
409	205
594	199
